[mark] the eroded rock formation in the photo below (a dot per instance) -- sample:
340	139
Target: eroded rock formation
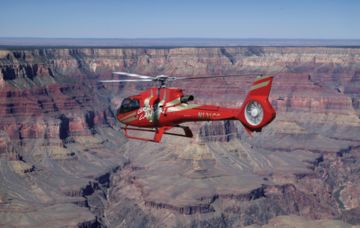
64	162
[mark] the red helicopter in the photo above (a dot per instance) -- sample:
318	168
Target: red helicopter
160	109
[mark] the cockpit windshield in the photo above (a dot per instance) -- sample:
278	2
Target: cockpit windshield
128	105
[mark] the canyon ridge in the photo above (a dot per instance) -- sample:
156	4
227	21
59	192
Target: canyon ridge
64	161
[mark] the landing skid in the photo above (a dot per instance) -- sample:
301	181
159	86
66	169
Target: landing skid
159	132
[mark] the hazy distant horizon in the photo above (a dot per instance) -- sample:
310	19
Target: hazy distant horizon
13	42
320	19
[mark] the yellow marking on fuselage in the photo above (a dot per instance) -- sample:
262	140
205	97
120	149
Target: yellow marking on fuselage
260	85
262	78
161	103
182	107
128	115
129	119
147	101
173	102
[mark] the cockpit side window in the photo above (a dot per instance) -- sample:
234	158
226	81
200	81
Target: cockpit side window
128	105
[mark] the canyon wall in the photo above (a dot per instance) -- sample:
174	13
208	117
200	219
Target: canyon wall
63	159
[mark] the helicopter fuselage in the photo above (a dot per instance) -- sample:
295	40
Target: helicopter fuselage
165	108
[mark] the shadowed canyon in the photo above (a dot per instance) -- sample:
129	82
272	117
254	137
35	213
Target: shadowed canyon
64	161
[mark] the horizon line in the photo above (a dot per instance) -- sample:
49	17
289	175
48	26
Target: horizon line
170	38
173	42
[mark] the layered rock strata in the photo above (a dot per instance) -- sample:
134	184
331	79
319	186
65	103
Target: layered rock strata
63	161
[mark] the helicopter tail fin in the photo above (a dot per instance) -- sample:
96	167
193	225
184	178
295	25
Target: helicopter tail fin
256	111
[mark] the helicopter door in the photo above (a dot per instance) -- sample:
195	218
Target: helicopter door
156	105
156	108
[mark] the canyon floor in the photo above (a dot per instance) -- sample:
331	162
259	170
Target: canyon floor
65	163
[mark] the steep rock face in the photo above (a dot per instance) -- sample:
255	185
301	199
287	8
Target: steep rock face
58	136
48	151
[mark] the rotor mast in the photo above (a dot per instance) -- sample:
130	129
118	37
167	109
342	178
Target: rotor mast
162	79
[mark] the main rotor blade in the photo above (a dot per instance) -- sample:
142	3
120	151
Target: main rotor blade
127	80
216	76
133	75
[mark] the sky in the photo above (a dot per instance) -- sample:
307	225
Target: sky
288	19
